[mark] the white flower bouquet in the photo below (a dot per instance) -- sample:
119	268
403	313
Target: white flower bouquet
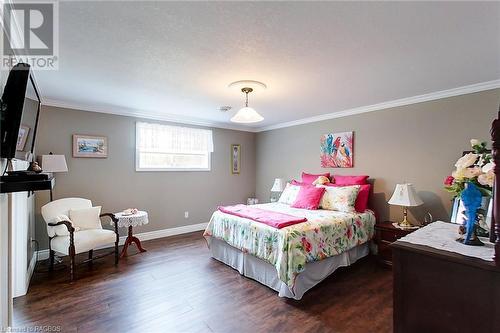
475	167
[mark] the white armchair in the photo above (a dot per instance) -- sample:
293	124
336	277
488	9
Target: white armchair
70	239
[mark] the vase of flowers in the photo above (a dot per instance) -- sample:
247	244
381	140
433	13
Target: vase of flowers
475	168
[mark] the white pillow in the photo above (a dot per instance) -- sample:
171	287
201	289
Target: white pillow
60	230
289	195
87	218
341	198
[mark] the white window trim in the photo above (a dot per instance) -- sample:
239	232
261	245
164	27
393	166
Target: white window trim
139	169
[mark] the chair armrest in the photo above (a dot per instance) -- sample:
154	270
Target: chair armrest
68	225
111	216
115	220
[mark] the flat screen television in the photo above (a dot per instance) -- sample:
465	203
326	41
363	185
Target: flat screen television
20	109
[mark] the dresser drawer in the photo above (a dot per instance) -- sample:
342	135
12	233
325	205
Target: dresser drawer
388	235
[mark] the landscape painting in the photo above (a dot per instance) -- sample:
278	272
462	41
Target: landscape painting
90	146
337	150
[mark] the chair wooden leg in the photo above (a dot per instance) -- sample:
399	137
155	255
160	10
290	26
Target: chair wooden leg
116	253
72	268
91	252
72	260
51	260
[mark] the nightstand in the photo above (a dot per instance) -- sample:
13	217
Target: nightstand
385	234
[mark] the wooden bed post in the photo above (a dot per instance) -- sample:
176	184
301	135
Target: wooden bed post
495	221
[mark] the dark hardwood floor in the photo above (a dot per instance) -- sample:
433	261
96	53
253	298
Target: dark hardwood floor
177	287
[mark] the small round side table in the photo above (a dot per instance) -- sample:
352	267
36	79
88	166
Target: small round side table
130	221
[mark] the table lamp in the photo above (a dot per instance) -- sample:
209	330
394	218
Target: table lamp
278	187
54	163
406	196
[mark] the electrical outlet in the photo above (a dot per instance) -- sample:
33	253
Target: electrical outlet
186	215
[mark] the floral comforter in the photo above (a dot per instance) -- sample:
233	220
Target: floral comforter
325	234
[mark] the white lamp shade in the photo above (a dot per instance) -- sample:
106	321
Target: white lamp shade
278	185
54	163
405	195
247	115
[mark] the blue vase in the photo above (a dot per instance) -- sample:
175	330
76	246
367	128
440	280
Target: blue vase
471	198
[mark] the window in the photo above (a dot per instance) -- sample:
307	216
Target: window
172	148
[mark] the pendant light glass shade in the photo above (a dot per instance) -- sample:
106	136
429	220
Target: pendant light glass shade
247	115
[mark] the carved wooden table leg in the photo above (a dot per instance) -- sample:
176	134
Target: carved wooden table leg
131	239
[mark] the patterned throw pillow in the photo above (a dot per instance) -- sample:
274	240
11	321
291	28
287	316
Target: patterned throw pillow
341	199
289	195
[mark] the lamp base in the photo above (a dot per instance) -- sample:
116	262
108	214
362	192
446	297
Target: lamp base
405	223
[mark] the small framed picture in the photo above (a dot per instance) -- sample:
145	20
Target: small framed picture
484	216
90	146
22	136
235	159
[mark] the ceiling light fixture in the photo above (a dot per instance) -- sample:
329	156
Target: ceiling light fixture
247	115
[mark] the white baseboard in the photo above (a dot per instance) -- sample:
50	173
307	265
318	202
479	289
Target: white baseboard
144	236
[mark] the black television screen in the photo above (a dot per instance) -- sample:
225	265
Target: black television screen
19	114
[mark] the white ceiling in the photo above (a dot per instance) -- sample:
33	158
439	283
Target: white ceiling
172	60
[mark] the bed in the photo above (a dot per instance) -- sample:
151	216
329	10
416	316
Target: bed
293	259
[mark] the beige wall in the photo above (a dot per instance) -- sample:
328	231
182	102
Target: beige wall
417	143
114	183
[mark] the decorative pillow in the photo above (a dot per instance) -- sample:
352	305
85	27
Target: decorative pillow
321	180
60	230
350	180
310	178
289	194
87	218
296	182
309	197
340	198
361	203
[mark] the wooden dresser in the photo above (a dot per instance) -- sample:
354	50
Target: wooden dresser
440	291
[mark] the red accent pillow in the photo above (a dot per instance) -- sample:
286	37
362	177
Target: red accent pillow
309	178
361	203
309	197
350	180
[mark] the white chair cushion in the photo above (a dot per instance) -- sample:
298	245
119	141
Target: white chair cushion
86	218
85	240
60	230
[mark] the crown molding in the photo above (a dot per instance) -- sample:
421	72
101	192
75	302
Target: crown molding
389	104
145	115
344	113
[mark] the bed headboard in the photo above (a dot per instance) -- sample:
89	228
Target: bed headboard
495	221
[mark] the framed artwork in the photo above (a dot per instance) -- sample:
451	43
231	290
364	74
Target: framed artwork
337	150
235	159
22	136
90	146
484	216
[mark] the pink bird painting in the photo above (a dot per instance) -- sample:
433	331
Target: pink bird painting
337	150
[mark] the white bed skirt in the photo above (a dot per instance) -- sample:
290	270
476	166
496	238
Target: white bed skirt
265	273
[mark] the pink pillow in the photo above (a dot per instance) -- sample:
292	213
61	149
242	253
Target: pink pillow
309	178
309	197
297	183
361	203
350	180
